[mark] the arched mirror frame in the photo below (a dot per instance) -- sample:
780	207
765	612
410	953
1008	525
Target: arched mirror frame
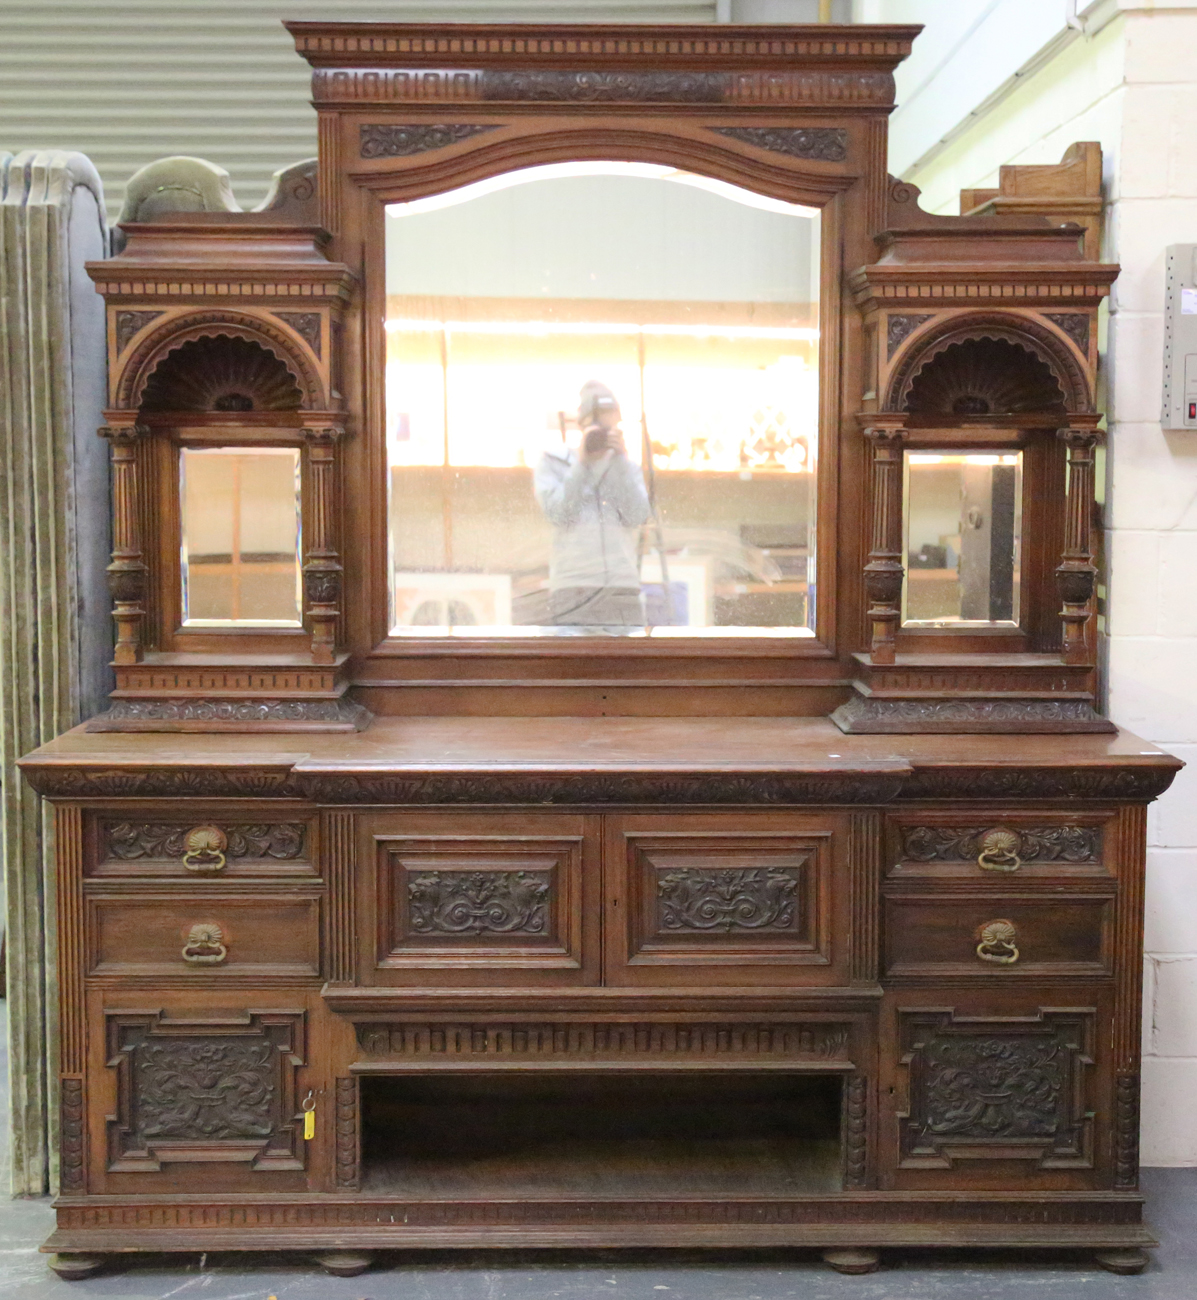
737	112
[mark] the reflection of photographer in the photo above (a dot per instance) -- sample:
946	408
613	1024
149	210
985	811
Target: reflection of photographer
596	501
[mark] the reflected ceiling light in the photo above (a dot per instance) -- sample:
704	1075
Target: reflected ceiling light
558	171
541	327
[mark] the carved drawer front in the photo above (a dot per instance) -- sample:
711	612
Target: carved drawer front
997	935
725	899
977	1089
976	849
200	847
460	906
202	936
205	1090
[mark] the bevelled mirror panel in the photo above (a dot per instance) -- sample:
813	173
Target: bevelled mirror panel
240	536
963	513
602	402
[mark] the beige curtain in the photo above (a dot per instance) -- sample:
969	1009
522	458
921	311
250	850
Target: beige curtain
55	642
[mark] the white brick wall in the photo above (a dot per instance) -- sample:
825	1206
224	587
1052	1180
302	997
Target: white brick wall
1133	87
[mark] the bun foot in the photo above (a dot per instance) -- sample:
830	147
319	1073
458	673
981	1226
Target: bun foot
1123	1262
344	1263
852	1261
74	1268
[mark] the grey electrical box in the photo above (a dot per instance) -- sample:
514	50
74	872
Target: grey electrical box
1180	338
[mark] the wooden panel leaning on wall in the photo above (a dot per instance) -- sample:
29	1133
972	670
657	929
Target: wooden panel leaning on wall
823	935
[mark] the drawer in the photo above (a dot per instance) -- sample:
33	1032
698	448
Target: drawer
997	935
467	899
728	898
202	936
1030	846
200	846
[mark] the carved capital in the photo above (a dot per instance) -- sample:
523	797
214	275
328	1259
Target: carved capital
118	434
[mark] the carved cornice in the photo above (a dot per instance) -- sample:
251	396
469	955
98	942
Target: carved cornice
385	45
60	782
1128	781
190	282
1075	283
1133	783
864	715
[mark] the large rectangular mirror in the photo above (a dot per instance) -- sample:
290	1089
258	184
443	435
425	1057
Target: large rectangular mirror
240	536
602	404
963	513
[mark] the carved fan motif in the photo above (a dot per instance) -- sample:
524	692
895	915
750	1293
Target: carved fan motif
220	373
984	377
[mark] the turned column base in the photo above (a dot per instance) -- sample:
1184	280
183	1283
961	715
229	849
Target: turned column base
852	1262
344	1263
74	1268
1125	1263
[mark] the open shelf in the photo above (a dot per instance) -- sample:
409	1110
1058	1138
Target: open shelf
540	1135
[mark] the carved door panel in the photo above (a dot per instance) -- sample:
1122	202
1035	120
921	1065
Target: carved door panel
480	898
981	1091
197	1099
743	898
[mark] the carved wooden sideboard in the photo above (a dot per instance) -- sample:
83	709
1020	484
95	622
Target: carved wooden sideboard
803	908
931	952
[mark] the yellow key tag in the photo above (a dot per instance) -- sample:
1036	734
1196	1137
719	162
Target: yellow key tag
309	1125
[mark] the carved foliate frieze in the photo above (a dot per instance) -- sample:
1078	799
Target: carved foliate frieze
201	1091
613	788
1072	844
664	1041
130	783
479	902
346	1120
996	1088
167	841
856	1128
818	143
129	323
341	714
562	86
1126	1131
331	1217
864	715
1142	784
306	324
402	140
1075	324
72	1136
899	328
727	900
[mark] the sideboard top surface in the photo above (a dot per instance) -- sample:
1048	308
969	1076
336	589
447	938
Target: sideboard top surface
584	760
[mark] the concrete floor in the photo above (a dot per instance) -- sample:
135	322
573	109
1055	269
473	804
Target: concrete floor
773	1275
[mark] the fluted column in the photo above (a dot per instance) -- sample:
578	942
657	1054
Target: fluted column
884	572
322	567
127	572
1076	575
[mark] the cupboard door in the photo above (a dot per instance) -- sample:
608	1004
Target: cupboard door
464	899
727	898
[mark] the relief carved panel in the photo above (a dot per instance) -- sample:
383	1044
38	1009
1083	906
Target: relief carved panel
479	902
764	898
990	1088
1071	844
167	841
217	1090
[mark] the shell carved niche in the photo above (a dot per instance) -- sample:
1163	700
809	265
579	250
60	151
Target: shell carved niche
984	376
221	373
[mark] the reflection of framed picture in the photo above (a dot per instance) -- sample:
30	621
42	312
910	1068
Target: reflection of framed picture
689	589
452	599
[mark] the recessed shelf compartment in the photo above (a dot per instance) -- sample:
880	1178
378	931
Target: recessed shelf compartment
610	1135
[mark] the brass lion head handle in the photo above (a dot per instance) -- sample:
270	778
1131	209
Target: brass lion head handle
999	850
205	945
998	943
205	846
